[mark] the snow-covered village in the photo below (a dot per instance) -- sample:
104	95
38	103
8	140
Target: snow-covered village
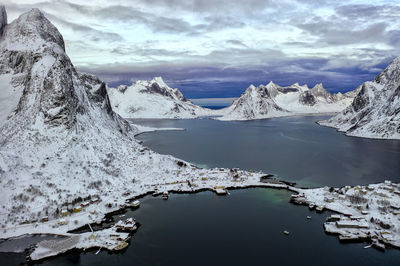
133	130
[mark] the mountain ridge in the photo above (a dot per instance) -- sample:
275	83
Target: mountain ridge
272	100
153	99
375	111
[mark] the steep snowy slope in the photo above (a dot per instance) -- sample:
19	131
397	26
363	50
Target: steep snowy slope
273	100
153	99
375	111
61	142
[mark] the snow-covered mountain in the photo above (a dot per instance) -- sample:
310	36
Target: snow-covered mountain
60	141
254	103
153	99
375	111
272	100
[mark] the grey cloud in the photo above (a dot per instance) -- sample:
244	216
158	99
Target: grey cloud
248	7
131	14
369	12
237	43
88	32
220	22
144	51
334	31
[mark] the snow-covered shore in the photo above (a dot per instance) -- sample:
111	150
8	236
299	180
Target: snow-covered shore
110	239
145	129
189	179
368	213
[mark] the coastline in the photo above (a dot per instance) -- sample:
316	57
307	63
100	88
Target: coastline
310	195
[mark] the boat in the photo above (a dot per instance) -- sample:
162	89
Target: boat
320	208
286	232
165	195
135	204
379	245
311	206
308	217
221	191
121	246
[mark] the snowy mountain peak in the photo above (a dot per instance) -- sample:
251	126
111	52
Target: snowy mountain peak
318	86
319	91
152	99
43	89
3	18
375	111
159	81
273	100
251	87
34	32
390	75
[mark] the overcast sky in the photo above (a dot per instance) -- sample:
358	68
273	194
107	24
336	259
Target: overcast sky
216	48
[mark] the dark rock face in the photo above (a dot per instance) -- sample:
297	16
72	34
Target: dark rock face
360	101
287	89
307	98
3	18
156	88
310	97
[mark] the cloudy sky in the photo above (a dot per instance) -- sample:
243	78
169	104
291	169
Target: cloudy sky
216	48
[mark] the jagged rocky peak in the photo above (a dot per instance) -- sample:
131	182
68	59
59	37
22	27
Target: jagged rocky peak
391	75
3	18
153	99
375	111
272	89
319	91
157	85
33	47
47	89
33	31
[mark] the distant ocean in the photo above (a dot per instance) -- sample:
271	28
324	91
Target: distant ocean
214	107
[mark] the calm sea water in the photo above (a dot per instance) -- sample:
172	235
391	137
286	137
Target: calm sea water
214	107
246	227
294	148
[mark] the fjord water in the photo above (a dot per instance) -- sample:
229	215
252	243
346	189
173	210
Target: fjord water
243	228
293	148
246	226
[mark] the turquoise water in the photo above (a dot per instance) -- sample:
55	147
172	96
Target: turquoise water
244	228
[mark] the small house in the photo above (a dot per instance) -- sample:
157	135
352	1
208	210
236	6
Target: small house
62	222
64	212
94	200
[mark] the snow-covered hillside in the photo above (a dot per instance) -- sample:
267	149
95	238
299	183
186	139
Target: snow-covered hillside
272	100
375	111
61	143
153	99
